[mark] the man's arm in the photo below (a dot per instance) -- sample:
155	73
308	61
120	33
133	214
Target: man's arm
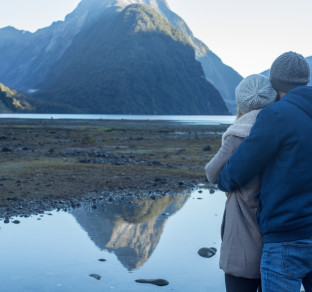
254	153
216	164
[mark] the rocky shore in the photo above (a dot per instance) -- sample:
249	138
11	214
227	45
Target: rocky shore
61	164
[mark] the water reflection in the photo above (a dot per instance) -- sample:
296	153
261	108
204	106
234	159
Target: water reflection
130	232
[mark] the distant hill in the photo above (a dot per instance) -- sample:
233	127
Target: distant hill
26	58
131	62
12	101
309	59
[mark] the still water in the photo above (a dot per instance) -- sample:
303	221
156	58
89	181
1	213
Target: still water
198	120
155	239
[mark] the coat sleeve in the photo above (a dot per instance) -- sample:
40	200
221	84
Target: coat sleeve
254	153
214	167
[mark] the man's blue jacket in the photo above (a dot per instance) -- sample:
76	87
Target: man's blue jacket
280	149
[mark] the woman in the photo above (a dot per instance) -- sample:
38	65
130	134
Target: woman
241	247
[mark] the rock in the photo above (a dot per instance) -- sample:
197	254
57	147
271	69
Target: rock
95	276
6	220
157	282
102	260
16	222
206	252
211	191
207	148
200	191
6	149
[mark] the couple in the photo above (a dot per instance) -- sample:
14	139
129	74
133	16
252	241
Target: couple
265	166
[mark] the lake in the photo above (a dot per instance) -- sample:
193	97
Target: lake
151	239
197	120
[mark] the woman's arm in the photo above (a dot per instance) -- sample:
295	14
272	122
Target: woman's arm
214	167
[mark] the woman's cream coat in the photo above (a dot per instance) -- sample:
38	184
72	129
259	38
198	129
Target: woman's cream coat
241	247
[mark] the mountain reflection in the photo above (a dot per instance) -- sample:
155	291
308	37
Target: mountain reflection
131	232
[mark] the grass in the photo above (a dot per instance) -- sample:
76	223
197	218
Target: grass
51	162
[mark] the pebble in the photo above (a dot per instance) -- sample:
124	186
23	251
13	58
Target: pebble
157	282
102	260
95	276
16	222
14	206
207	148
206	252
6	149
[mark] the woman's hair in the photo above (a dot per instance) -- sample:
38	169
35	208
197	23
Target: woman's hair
239	114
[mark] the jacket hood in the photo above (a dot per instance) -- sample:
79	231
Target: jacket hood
300	97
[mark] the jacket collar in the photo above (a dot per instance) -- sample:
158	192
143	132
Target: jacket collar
301	97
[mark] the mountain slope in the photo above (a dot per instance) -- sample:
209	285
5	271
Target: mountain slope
12	101
133	62
25	58
222	77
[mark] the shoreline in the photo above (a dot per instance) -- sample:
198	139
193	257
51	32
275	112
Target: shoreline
59	164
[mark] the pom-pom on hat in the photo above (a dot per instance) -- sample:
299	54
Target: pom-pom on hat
254	92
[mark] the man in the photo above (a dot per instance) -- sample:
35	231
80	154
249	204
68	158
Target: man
280	149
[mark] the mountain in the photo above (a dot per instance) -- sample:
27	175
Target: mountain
12	101
309	59
26	58
133	62
222	77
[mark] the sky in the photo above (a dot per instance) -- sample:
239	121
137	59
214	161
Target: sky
246	34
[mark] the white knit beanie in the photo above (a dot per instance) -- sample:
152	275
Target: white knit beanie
254	92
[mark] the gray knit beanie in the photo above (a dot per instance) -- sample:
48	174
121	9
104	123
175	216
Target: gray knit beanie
289	71
254	92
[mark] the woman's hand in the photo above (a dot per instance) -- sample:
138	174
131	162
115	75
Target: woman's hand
227	194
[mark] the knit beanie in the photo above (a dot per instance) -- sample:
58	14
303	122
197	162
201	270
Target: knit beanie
289	71
254	92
